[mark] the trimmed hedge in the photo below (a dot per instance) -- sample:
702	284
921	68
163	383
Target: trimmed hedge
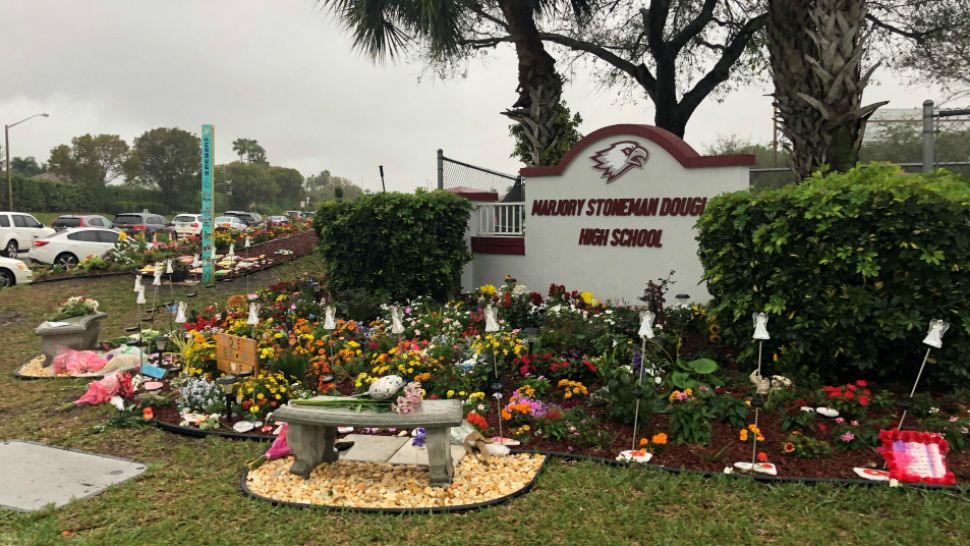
850	267
395	245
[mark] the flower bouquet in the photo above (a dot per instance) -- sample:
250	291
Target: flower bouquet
388	393
75	306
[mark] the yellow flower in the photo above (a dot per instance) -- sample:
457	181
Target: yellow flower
487	289
450	393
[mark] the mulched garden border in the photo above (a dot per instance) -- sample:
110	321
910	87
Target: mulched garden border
432	510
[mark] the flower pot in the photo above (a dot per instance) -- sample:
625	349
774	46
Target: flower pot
78	333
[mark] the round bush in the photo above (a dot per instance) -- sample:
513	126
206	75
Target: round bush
850	267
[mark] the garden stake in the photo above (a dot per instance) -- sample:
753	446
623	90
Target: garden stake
498	409
761	334
646	332
934	339
491	326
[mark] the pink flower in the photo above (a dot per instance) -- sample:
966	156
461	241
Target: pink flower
953	419
847	437
839	420
854	423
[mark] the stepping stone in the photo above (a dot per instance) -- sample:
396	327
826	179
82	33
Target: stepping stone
408	454
370	448
35	475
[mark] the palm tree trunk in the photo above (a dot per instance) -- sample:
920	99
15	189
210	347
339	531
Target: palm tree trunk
540	86
816	49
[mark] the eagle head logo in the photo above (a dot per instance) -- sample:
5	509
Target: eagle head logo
619	158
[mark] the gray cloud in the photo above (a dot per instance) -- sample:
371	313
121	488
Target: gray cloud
283	72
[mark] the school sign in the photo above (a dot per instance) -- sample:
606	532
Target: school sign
619	210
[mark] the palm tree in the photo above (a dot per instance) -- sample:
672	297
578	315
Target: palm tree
385	28
816	52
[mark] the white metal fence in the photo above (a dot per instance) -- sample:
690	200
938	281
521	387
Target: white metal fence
501	219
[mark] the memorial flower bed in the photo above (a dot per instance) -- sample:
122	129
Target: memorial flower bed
132	253
558	371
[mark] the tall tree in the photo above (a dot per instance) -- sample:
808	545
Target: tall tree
90	160
290	184
246	184
27	166
324	187
251	150
167	159
447	28
568	135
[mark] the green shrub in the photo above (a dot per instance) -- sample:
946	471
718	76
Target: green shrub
395	245
850	267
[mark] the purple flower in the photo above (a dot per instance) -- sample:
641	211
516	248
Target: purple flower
419	437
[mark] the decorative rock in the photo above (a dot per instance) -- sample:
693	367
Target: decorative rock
634	456
356	484
873	474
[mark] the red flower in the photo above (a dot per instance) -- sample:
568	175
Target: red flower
850	387
862	383
849	394
536	298
762	456
863	401
590	365
433	397
822	427
524	369
553	414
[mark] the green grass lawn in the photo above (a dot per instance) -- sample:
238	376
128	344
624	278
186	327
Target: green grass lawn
190	493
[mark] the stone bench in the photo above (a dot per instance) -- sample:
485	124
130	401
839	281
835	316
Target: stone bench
312	432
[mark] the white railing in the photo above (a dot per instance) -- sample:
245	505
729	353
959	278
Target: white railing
501	219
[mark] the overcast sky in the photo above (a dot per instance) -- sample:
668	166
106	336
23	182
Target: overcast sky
282	72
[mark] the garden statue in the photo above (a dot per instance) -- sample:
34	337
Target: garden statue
760	326
491	319
646	324
396	326
137	283
180	315
168	267
157	274
140	300
253	313
934	337
330	320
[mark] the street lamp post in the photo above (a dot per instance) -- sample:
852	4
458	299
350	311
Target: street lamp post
6	149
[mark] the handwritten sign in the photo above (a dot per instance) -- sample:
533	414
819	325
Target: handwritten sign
235	354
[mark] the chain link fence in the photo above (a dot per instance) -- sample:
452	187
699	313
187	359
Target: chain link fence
917	139
457	174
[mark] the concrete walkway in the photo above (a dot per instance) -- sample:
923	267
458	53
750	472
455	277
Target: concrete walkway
390	449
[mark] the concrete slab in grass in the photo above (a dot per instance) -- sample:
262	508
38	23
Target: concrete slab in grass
408	454
35	475
370	448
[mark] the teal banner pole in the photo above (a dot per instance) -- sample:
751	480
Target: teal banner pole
208	241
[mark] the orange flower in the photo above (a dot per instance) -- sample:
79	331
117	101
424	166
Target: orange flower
789	447
762	456
659	439
506	415
643	442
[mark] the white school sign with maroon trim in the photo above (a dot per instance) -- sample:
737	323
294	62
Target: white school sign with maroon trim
619	210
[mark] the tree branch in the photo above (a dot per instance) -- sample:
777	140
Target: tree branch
694	27
918	36
722	68
639	72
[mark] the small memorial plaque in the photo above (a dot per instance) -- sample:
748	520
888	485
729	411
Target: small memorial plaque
235	354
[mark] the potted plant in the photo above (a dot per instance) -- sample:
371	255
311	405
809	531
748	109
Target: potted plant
75	324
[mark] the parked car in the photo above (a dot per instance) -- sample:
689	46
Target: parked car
188	224
84	220
308	215
67	248
295	214
277	220
230	222
18	231
145	223
14	272
248	218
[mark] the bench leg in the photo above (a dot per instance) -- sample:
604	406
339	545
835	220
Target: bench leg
311	445
439	457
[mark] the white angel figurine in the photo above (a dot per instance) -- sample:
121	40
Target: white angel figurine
491	319
760	326
137	283
140	300
330	318
934	337
158	275
396	326
168	267
180	315
253	313
646	324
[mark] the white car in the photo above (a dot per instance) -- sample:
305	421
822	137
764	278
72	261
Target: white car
14	272
68	247
187	224
229	222
18	231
